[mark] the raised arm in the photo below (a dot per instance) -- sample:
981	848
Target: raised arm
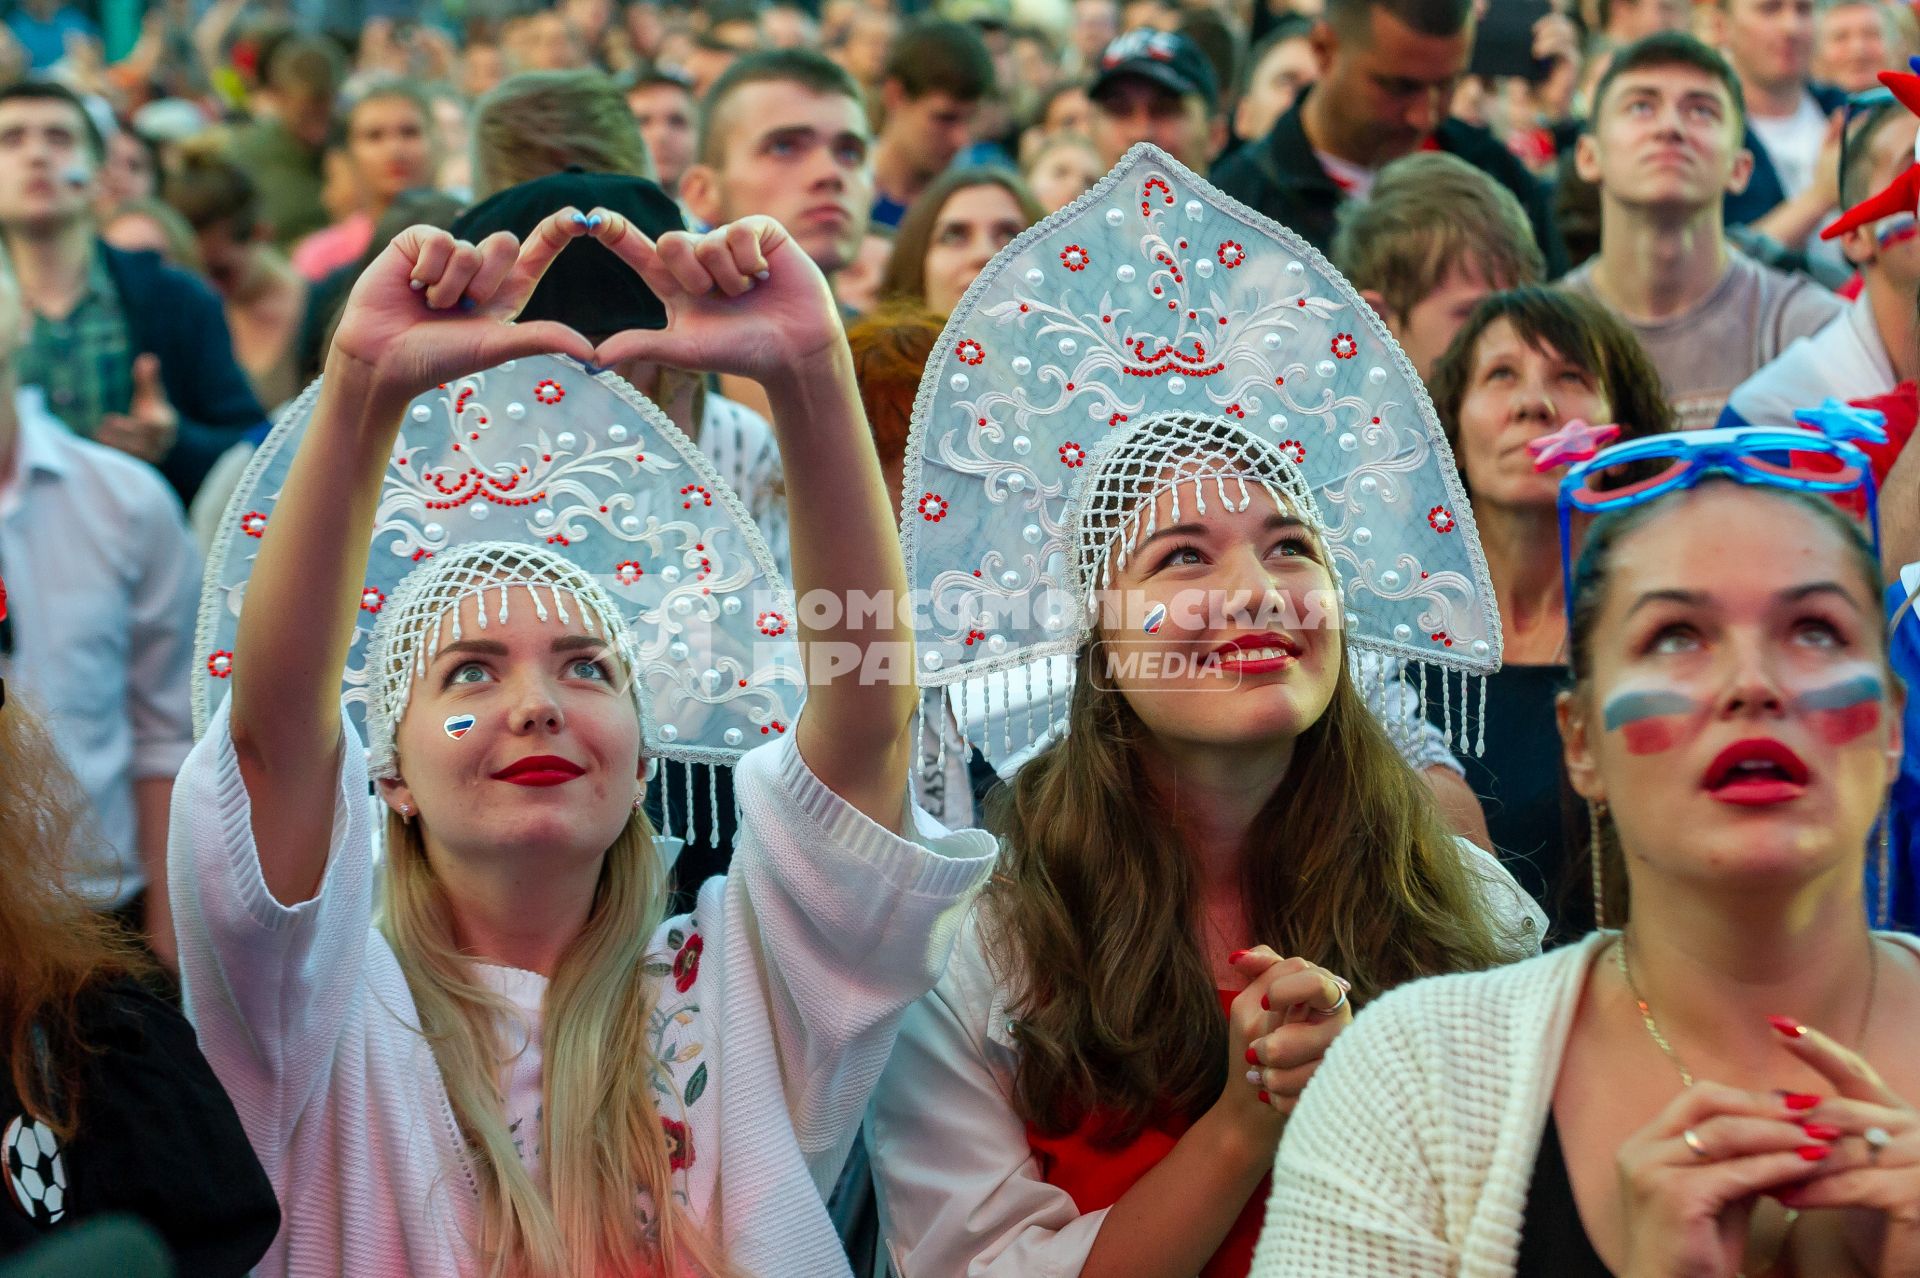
429	309
745	299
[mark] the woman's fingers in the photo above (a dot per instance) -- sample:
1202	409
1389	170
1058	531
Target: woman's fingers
678	256
1299	984
635	249
1848	1071
554	233
431	249
750	243
462	265
715	253
499	254
1728	1137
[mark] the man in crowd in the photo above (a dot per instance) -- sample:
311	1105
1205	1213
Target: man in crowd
1789	130
1873	345
1280	66
937	73
128	350
1663	147
784	133
1624	21
664	108
1157	86
1387	74
1853	41
283	149
1434	237
103	584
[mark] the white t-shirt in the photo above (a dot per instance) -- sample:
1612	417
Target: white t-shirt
1793	142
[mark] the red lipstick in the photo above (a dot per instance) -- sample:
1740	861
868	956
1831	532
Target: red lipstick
1758	772
1235	653
540	769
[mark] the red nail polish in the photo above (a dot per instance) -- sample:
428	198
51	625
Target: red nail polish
1787	1025
1264	1005
1236	956
1821	1131
1265	1099
1814	1153
1798	1101
1251	1058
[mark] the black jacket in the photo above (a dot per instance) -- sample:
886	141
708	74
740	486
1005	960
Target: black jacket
1280	177
176	317
1763	188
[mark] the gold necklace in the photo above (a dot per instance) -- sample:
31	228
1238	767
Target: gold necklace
1660	1040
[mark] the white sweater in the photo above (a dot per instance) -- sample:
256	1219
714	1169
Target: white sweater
1413	1149
826	927
960	1190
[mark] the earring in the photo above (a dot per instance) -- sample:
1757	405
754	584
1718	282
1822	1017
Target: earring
639	803
406	813
1596	856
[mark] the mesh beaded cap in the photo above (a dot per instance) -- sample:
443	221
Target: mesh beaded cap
538	485
1155	320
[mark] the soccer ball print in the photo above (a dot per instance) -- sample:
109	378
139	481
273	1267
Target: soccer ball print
36	1171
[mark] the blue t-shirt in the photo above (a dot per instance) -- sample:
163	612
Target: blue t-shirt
46	42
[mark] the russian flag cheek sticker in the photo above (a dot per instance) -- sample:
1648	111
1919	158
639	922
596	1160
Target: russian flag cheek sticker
1649	722
458	725
1156	618
1843	711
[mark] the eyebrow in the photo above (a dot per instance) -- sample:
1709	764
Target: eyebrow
1274	524
494	648
1697	598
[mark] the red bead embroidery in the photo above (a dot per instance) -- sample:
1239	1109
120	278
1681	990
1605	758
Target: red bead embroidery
1441	518
548	391
969	352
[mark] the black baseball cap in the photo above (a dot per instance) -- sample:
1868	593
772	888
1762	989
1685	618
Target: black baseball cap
1165	58
587	288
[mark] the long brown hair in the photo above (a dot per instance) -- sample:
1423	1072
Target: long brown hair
906	273
1092	918
53	948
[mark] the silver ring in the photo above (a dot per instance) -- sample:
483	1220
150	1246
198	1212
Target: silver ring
1877	1139
1334	1010
1698	1146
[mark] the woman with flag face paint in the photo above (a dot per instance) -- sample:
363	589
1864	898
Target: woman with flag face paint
1725	1084
521	1066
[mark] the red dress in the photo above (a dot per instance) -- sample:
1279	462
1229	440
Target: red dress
1097	1177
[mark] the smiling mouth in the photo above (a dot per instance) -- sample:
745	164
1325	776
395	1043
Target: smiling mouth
540	770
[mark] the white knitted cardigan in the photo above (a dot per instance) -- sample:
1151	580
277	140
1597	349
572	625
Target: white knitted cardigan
825	928
1413	1149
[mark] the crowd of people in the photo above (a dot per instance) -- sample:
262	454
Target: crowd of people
1629	767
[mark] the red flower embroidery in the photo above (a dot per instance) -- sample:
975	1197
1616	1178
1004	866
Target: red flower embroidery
771	624
254	524
627	572
1072	454
686	964
1294	450
695	490
548	391
1441	518
1074	258
1344	347
933	507
969	351
679	1144
220	664
371	600
1231	254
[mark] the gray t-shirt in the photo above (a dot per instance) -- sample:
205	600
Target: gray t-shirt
1748	319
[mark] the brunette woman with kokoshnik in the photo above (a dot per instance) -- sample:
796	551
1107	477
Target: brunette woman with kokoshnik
467	1086
1196	886
1725	1085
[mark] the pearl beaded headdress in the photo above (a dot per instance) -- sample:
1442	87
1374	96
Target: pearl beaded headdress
1152	334
537	485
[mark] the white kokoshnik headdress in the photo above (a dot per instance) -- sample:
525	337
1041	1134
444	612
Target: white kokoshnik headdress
537	485
1155	334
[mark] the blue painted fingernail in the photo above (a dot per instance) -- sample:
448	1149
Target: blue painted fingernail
467	303
593	369
581	219
594	222
763	275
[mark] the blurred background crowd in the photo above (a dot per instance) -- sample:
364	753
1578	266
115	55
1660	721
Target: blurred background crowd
1609	209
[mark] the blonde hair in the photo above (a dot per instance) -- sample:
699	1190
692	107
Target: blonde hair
601	1131
540	122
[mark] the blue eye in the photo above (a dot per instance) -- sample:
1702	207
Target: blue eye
461	672
587	669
